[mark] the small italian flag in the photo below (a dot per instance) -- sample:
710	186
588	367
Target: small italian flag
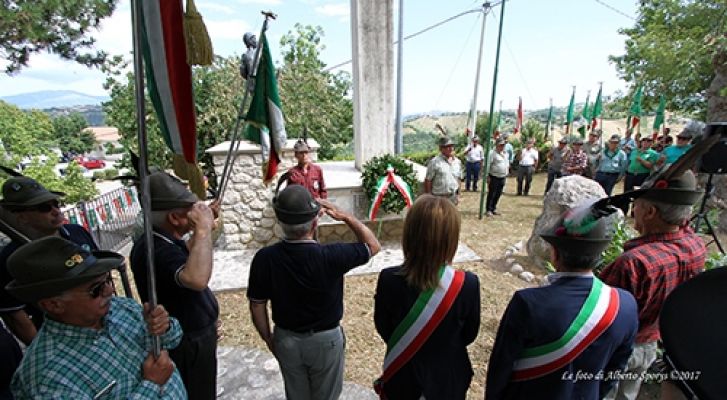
169	81
265	116
382	186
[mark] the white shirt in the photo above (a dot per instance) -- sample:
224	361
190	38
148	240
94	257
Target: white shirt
475	153
528	157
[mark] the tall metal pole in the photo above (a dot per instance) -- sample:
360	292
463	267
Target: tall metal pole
399	138
488	135
143	161
473	123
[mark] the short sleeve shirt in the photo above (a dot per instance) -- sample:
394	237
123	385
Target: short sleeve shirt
672	153
312	179
635	167
475	154
444	175
304	281
195	310
75	233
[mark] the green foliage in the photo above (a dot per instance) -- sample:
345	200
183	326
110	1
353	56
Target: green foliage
76	186
110	173
421	157
24	133
316	103
533	129
670	50
621	234
376	168
98	175
715	260
71	134
60	27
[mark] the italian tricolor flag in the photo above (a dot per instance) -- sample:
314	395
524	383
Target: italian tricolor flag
265	116
169	81
596	315
382	187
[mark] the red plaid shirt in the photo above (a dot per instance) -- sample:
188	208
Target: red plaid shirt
650	268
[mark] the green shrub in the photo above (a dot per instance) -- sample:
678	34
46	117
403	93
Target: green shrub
715	260
98	175
421	157
111	173
622	233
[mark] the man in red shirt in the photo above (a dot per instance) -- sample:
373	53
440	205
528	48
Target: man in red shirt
306	173
666	254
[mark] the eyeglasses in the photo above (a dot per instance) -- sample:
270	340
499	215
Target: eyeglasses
45	207
99	287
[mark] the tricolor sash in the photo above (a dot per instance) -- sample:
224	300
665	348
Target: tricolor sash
596	315
425	315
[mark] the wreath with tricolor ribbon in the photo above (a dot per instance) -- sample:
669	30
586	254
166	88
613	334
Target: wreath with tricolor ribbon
389	183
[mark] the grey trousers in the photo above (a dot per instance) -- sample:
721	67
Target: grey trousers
311	363
641	358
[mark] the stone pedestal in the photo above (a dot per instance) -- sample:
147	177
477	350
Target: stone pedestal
247	209
372	32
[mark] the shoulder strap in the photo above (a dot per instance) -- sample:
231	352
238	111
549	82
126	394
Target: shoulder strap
598	312
423	318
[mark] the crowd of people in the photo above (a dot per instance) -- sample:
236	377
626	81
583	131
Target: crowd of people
581	336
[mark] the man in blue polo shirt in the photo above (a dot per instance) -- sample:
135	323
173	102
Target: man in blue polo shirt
612	165
37	209
673	152
303	281
183	270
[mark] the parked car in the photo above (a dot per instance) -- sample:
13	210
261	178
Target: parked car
91	163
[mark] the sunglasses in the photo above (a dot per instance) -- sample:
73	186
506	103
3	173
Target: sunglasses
45	207
96	290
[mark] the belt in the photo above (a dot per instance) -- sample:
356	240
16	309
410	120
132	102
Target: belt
316	329
608	173
531	165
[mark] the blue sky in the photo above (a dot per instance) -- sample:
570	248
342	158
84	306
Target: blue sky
548	46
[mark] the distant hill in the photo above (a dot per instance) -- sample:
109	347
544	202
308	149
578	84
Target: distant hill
53	99
94	115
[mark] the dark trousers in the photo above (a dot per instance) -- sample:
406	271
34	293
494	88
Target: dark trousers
494	192
524	173
473	173
196	360
552	176
607	180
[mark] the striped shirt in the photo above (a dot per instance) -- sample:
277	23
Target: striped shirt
71	362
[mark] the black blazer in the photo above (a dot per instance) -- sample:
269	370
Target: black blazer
441	369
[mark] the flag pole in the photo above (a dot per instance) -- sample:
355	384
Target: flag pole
144	195
234	141
486	7
488	134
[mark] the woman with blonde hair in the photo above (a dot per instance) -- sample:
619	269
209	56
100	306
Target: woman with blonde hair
426	311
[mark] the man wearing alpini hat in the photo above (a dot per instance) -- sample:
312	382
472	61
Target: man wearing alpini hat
568	339
303	281
93	344
35	209
306	173
667	253
183	270
444	172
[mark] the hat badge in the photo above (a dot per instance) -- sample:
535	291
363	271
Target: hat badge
16	186
74	260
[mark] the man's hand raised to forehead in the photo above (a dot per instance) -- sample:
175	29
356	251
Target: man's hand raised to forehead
201	217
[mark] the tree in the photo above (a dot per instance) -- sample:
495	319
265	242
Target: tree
217	95
76	186
24	133
314	101
72	135
670	51
61	27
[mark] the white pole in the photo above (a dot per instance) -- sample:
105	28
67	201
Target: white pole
473	123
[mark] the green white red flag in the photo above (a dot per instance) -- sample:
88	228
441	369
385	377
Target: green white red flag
519	120
382	187
571	110
635	111
265	116
169	82
597	109
659	118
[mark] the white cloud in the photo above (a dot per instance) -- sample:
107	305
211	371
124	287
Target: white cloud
227	29
265	2
334	10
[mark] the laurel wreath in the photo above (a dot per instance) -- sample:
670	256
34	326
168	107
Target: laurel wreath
375	168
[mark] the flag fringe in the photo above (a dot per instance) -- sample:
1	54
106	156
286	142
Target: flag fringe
199	45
